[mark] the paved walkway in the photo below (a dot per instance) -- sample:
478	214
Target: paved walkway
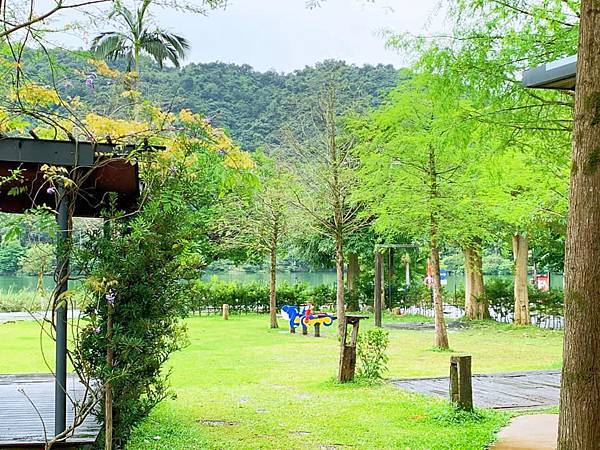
536	432
512	390
39	315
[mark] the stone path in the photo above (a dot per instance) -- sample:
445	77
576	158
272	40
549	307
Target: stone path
421	325
512	390
536	432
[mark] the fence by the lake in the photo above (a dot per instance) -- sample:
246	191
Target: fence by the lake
503	316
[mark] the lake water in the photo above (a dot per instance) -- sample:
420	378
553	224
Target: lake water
455	281
25	282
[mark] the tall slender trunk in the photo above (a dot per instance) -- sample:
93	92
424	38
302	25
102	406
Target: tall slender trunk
273	288
351	281
340	306
441	334
476	305
520	256
407	271
579	423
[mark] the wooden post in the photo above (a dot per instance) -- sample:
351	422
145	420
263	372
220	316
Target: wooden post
317	330
391	275
378	287
461	390
347	364
225	311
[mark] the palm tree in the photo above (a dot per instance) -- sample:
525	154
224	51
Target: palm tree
137	39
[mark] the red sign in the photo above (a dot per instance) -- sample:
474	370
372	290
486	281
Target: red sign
542	282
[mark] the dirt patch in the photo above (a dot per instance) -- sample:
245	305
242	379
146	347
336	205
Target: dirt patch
300	433
218	423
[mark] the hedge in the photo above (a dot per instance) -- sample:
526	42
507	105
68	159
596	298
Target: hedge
209	296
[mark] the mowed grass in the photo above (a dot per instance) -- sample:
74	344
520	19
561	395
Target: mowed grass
240	385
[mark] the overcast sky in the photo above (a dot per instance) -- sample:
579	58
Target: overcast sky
285	35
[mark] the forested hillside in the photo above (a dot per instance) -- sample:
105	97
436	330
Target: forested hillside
252	105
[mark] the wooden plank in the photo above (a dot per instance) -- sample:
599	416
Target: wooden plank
506	390
20	422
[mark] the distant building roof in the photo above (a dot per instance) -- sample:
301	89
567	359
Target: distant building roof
559	74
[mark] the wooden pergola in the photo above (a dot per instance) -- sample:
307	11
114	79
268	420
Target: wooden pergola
95	169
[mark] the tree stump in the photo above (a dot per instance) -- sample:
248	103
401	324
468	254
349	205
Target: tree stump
461	390
347	364
225	311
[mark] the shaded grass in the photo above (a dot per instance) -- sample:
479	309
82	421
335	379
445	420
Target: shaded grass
276	390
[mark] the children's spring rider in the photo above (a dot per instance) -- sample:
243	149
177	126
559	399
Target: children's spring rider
306	317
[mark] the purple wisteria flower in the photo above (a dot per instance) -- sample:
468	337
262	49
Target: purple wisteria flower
97	330
207	120
110	297
222	152
89	81
51	190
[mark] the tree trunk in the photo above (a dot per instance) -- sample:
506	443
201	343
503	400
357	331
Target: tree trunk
407	272
579	424
520	256
340	306
476	305
351	281
441	334
273	289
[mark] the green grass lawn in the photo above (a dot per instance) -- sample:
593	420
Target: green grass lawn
276	390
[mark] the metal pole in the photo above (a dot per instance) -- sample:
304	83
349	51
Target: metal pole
378	287
62	284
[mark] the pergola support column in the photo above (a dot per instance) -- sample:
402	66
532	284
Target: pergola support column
62	284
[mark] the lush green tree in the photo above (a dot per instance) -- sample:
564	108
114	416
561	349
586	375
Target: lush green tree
490	44
416	155
322	164
258	222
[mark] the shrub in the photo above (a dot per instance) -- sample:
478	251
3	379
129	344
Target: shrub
413	295
371	347
22	300
500	295
211	295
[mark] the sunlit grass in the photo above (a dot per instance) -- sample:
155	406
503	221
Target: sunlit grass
276	390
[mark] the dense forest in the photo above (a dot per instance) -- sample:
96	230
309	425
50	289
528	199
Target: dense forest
252	105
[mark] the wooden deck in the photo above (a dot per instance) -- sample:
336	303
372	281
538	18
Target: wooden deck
513	390
21	425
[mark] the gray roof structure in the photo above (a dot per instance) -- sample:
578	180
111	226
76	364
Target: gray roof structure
559	74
